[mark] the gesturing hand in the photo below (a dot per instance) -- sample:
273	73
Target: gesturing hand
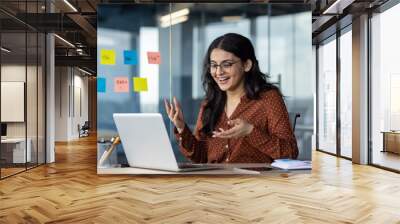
175	114
239	128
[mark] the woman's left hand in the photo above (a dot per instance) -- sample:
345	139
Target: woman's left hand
240	128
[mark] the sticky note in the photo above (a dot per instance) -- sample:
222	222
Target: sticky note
130	57
154	57
107	57
139	84
101	85
121	84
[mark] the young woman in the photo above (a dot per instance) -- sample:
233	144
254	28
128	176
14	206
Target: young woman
243	118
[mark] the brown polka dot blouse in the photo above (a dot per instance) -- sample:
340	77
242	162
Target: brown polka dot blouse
271	138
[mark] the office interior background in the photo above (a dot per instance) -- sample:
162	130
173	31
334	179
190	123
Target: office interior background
49	110
48	73
283	51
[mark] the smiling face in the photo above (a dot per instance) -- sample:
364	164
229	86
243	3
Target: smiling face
228	70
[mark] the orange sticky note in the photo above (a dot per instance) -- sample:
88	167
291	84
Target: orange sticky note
121	84
154	57
139	84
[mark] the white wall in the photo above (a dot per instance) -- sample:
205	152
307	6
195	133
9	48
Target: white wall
71	87
61	103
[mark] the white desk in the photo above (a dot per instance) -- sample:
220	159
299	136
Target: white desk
19	149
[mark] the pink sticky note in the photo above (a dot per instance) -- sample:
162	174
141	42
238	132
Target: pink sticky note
154	57
121	84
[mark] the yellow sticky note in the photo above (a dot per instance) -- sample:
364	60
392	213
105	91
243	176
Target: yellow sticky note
107	57
139	84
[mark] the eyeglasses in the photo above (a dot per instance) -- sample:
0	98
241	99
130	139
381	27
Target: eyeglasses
225	66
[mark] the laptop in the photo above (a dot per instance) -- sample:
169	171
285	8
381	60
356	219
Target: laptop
146	143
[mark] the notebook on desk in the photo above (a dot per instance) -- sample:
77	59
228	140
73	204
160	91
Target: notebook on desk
290	164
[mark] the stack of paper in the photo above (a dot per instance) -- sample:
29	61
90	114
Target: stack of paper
290	164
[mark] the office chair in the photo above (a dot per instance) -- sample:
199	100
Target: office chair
84	130
294	122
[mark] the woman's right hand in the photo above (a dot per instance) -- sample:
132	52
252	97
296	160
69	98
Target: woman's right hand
175	114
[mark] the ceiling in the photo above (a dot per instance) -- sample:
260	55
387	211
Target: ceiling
77	24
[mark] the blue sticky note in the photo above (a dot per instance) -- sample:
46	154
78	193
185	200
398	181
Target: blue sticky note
101	85
130	57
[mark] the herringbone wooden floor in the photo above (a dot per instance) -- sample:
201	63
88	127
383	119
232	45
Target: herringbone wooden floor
69	191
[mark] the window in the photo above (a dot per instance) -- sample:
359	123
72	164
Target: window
346	94
385	89
327	96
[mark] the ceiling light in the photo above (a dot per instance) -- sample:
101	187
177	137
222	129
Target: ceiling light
174	21
70	5
166	18
5	50
231	18
65	41
84	71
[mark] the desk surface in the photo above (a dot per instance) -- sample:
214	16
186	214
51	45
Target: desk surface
222	169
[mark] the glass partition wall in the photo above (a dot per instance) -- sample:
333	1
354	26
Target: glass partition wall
280	33
22	79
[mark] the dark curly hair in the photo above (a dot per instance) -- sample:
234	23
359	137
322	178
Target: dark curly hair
255	81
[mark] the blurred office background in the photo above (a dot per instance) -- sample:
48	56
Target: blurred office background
280	33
